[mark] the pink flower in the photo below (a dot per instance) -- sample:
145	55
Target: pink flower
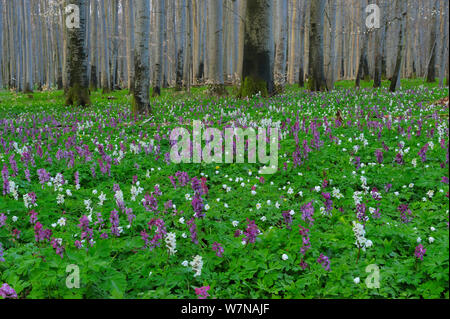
202	292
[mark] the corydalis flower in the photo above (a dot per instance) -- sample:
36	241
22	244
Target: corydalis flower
57	246
308	212
193	230
218	249
420	252
405	213
7	292
171	243
197	265
306	245
202	292
324	261
251	232
379	156
114	219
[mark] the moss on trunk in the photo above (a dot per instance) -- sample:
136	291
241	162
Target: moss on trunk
78	96
252	86
217	89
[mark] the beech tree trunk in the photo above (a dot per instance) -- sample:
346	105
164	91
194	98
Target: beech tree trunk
77	64
317	80
141	101
257	74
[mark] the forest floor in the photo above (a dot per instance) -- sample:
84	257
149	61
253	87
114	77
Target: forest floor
358	208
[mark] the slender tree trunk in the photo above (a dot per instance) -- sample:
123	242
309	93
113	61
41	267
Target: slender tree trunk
257	73
181	41
444	47
129	12
77	64
280	57
1	44
333	5
105	74
363	67
158	66
395	82
215	80
317	80
293	43
141	101
431	69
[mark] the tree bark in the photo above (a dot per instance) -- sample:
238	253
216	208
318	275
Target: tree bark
141	101
257	74
317	80
77	64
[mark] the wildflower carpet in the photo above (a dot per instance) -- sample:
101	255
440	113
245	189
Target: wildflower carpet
92	207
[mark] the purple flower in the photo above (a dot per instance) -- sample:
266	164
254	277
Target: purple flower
444	180
160	232
2	259
420	251
287	219
114	219
7	292
2	220
324	261
33	217
5	177
357	162
328	202
251	232
56	244
406	214
150	203
423	152
307	213
379	155
193	230
197	205
202	292
399	159
218	249
306	245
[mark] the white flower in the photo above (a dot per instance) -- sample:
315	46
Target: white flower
14	218
60	199
356	280
184	235
197	265
430	240
258	206
207	207
61	222
181	220
432	228
235	223
419	239
317	188
171	243
285	257
263	218
430	193
185	263
290	191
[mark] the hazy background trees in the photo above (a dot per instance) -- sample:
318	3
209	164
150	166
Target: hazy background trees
223	42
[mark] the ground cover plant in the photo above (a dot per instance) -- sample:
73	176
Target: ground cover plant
358	208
